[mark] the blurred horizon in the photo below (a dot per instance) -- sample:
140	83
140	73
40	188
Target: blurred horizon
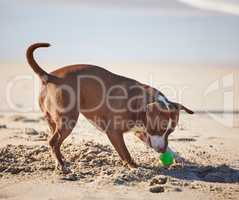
133	31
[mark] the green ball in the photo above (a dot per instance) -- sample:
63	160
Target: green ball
166	158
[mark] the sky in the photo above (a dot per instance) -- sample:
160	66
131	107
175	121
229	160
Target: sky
129	31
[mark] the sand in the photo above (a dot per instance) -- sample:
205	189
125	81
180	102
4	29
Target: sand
210	150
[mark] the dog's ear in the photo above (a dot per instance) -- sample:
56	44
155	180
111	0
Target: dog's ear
186	109
156	108
182	107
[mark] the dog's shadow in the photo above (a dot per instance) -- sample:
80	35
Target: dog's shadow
191	172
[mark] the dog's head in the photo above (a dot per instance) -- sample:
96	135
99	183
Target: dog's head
161	119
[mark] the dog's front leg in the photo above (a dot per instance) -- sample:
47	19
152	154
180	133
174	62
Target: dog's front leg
117	140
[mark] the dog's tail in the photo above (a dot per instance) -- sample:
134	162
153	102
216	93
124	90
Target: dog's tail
44	76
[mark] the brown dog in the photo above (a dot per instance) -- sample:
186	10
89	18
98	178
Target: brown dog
115	104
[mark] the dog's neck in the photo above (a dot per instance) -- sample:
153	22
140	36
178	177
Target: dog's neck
152	95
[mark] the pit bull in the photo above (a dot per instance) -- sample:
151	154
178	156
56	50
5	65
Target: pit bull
113	103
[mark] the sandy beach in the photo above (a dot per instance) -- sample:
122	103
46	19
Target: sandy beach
27	171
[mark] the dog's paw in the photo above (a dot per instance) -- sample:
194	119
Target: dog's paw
133	165
64	169
130	165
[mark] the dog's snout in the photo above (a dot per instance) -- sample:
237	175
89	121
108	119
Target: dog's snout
158	143
160	150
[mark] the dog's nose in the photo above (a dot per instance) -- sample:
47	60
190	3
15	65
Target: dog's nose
161	150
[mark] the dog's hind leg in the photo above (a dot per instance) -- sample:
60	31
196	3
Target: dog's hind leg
64	126
51	123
